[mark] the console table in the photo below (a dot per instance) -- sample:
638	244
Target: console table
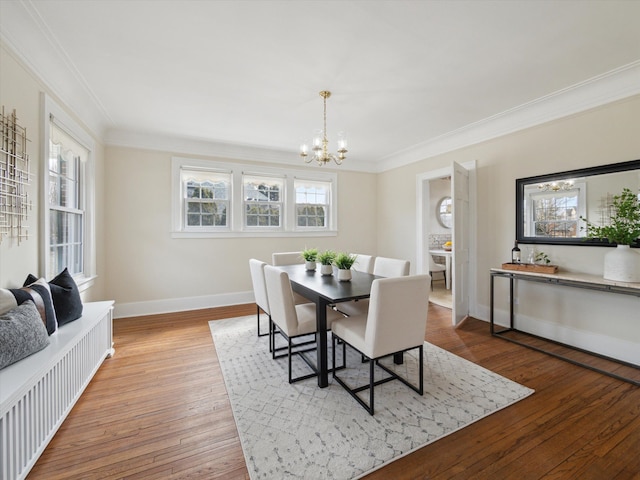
575	280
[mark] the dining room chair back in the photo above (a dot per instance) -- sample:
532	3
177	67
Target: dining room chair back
382	267
395	323
259	290
364	263
286	258
391	267
436	268
292	320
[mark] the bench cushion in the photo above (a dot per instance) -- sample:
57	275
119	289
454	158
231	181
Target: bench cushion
21	333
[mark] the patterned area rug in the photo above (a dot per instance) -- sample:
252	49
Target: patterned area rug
302	431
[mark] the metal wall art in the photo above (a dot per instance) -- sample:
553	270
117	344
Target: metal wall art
14	179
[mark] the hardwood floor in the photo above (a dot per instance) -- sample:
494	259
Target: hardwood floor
159	410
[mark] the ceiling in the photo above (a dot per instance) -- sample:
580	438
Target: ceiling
409	79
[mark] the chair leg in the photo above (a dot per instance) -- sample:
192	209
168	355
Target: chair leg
421	370
371	385
258	315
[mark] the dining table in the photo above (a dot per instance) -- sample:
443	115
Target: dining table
326	290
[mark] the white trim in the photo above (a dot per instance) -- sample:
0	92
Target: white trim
594	342
49	108
236	222
153	307
609	87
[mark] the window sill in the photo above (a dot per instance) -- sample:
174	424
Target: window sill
250	234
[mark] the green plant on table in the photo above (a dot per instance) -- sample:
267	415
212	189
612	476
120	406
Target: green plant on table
310	254
326	257
542	257
344	261
624	227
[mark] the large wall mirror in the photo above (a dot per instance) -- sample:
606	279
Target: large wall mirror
549	207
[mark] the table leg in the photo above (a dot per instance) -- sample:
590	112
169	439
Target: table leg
447	261
321	343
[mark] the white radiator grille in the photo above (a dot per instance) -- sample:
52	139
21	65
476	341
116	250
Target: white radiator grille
27	427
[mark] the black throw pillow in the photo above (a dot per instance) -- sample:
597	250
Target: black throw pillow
65	295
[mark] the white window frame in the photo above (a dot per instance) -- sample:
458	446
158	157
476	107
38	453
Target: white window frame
220	228
236	215
530	193
51	111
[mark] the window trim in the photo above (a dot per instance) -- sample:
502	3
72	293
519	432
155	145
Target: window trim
50	110
236	224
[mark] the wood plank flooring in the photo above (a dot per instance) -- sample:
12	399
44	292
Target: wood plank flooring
159	410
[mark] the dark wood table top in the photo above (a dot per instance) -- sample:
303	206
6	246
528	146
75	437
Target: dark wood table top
328	286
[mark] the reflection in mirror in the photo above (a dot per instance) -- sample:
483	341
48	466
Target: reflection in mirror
444	212
549	207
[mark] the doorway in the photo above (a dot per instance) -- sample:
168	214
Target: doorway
462	256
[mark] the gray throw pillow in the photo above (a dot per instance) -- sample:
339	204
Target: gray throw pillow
21	333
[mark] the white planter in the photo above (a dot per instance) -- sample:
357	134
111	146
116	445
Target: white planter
326	269
309	265
344	275
622	264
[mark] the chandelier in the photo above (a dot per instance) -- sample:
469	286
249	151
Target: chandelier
556	186
319	151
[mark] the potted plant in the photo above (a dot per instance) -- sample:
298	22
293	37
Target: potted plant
326	262
344	262
622	264
542	258
310	256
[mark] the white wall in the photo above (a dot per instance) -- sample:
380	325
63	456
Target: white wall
21	90
149	271
608	134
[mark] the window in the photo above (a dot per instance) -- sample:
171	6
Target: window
207	195
215	199
312	203
69	238
555	213
263	201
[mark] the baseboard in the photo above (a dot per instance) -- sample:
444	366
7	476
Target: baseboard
617	348
169	305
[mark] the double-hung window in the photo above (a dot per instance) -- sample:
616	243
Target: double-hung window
313	201
263	199
216	199
68	216
207	195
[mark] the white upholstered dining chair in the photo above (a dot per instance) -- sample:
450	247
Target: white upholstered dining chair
436	268
292	321
364	263
279	259
395	323
382	267
260	291
286	258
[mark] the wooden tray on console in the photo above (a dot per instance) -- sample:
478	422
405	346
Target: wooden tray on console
530	267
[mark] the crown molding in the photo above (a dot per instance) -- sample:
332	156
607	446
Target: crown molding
609	87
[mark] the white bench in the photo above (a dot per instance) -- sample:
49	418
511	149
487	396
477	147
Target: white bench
38	392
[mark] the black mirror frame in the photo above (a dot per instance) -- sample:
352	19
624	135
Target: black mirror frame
584	172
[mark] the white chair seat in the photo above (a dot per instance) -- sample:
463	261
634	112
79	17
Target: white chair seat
354	334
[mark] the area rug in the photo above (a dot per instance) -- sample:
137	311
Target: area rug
305	432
